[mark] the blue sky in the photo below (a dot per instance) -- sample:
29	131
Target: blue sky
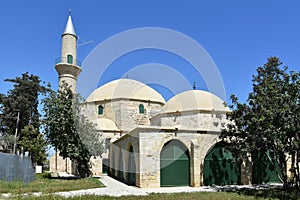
238	35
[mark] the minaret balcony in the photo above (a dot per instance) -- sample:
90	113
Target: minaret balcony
67	60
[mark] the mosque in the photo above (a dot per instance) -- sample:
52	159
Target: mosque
152	143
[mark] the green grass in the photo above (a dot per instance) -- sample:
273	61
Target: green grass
179	196
273	193
253	194
46	185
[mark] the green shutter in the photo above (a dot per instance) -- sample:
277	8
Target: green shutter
100	110
141	109
70	59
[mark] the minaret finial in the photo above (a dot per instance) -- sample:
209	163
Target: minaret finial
70	11
194	86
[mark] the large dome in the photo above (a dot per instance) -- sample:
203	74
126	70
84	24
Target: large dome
193	100
125	89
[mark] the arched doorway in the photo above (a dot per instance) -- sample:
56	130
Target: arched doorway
112	171
265	168
220	167
120	171
131	170
174	164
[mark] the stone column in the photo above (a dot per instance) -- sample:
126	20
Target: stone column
195	164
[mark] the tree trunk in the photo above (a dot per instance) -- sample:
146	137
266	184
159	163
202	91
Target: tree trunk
282	165
297	169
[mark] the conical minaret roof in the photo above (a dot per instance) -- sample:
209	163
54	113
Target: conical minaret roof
69	27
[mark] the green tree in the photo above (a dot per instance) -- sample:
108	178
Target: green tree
68	131
33	142
22	101
269	119
89	136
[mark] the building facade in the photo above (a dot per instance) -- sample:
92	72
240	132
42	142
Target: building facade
149	142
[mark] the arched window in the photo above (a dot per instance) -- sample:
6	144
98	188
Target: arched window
70	59
107	143
141	109
100	110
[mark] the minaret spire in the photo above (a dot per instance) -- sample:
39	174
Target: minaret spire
69	29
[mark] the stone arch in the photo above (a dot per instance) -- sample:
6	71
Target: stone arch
168	139
175	159
208	144
220	166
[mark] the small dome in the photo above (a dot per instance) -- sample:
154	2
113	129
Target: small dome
104	124
194	100
125	89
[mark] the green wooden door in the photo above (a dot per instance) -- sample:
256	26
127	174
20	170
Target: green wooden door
221	168
174	165
265	168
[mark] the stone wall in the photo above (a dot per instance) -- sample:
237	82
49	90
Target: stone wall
119	152
58	164
96	166
151	140
199	120
69	46
124	113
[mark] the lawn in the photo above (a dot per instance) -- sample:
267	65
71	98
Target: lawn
48	185
255	194
178	196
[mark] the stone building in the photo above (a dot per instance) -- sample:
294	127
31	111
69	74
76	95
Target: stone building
152	143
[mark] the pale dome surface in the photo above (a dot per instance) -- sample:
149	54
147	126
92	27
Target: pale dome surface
105	124
125	89
194	100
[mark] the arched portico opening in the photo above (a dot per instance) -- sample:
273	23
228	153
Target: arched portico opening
131	168
120	171
112	171
174	164
265	168
221	167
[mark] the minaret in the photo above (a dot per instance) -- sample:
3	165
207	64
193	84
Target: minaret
67	66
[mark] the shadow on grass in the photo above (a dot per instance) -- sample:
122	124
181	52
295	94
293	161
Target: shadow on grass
47	175
266	191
